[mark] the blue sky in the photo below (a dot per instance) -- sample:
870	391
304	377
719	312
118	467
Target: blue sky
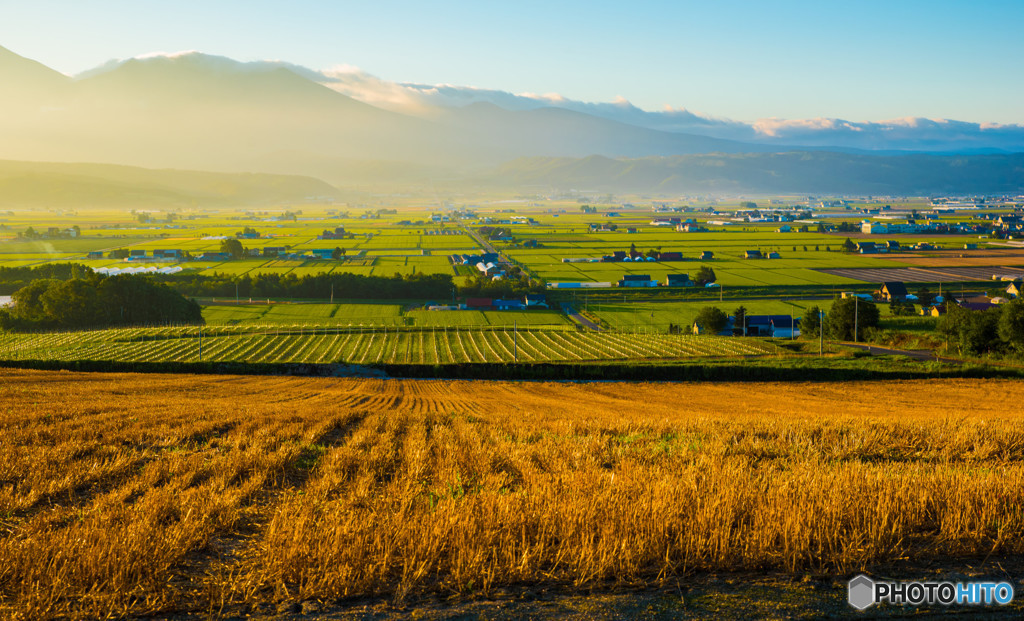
860	60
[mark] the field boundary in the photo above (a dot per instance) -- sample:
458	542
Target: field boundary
753	369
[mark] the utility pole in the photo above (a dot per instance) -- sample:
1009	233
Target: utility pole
821	331
200	343
856	302
515	341
332	293
236	292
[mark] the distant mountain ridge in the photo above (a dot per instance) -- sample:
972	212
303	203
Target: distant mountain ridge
782	173
199	112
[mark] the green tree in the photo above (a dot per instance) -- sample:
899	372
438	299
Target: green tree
1011	324
338	253
73	303
900	308
712	319
925	297
739	315
704	275
232	247
849	246
840	321
973	332
810	323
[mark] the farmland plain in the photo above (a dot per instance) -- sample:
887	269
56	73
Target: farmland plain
163	494
396	234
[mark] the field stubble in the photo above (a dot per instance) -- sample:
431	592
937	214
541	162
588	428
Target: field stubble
124	494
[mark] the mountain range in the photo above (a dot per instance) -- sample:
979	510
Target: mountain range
202	112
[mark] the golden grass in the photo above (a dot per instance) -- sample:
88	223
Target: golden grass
135	494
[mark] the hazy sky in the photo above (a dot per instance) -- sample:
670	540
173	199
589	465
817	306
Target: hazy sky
857	60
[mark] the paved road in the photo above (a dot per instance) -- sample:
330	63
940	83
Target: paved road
578	318
486	245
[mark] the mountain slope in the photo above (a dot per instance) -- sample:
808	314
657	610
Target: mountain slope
43	184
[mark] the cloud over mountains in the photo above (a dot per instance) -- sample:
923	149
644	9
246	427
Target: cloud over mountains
428	100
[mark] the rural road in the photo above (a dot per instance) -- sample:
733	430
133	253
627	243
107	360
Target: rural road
486	245
578	318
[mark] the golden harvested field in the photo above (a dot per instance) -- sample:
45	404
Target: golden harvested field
135	494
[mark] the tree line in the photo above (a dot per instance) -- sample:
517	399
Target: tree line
95	301
996	330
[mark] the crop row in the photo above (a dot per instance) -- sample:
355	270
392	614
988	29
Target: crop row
370	346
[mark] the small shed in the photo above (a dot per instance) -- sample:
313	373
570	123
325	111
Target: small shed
707	255
752	254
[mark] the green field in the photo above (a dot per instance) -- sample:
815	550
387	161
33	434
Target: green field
304	314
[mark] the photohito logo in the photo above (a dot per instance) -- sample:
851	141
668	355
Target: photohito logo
864	592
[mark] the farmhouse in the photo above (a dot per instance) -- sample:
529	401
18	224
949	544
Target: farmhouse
779	326
337	233
894	290
752	254
97	254
774	255
167	255
273	251
536	300
322	253
479	303
1015	288
637	280
671	256
508	304
873	228
678	280
707	255
867	247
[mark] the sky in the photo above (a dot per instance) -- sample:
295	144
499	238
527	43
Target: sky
860	61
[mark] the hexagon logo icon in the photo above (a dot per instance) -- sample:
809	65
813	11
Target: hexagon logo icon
861	592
